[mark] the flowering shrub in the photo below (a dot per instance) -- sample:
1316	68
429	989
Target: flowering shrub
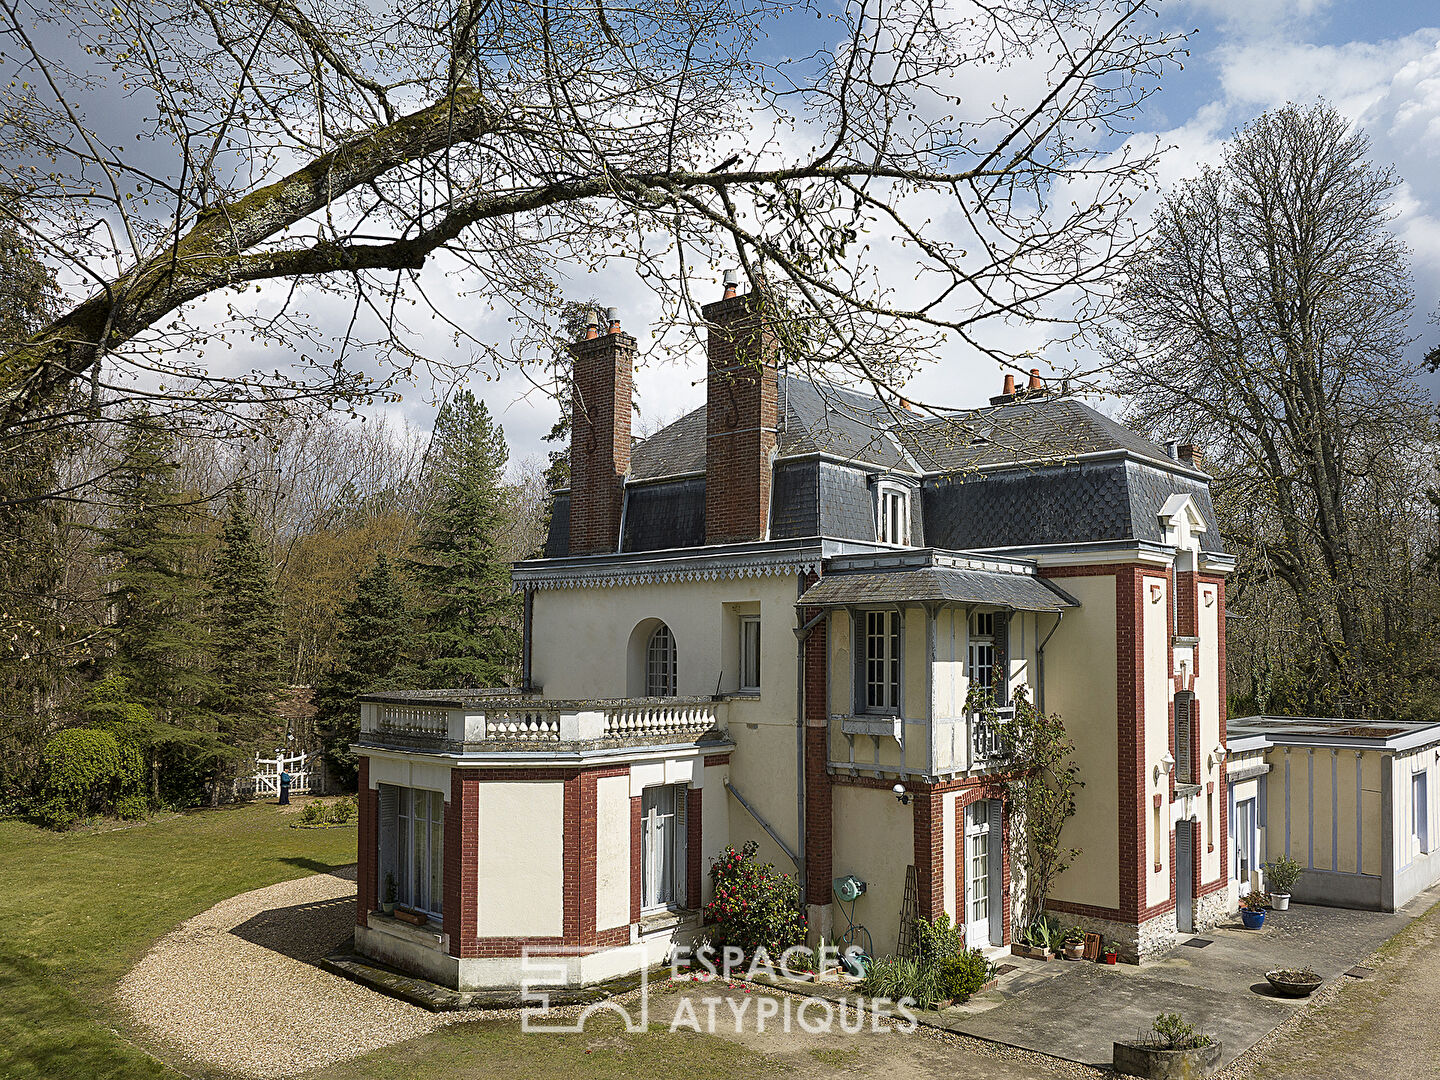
755	906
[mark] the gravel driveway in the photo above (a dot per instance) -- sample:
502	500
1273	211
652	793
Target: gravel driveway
236	987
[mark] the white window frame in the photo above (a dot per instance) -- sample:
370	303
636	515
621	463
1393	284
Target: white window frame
661	663
981	655
663	855
882	669
892	514
749	654
1420	811
977	853
418	850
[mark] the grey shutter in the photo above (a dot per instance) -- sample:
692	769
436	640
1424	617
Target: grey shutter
682	863
1183	769
1002	658
857	650
387	860
998	894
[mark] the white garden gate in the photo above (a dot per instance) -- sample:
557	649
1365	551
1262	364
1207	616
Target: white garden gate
268	770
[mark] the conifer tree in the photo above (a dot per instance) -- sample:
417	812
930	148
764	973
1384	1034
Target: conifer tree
376	645
471	619
159	644
246	628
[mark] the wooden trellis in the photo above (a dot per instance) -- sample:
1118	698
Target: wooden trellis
909	912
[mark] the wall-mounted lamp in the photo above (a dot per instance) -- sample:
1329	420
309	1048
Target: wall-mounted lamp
1156	591
1164	765
1217	756
901	794
1209	597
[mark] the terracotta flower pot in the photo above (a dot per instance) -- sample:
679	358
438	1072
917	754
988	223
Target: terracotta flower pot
1112	958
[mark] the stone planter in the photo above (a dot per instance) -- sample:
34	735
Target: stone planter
1153	1063
1288	988
1075	951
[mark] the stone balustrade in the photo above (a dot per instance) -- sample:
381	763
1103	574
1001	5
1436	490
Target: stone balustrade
488	719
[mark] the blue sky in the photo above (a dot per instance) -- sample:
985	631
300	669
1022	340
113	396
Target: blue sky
1378	61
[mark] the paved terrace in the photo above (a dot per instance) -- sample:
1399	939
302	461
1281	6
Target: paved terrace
1076	1010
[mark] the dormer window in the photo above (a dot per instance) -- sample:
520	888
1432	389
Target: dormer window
893	524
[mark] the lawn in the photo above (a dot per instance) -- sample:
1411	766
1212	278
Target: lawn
79	909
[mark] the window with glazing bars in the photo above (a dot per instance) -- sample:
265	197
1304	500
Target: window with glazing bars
882	661
660	670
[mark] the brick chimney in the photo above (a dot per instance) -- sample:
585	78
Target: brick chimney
741	403
600	409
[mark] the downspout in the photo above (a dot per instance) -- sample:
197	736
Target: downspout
801	634
1040	662
526	634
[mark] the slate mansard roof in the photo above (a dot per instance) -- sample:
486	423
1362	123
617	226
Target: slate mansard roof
1038	471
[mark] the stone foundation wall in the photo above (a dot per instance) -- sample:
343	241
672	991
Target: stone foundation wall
1211	909
1149	940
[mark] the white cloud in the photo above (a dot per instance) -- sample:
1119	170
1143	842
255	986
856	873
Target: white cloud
1249	15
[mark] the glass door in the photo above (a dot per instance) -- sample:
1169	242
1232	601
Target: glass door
977	874
1245	844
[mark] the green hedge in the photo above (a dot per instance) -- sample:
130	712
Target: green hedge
85	773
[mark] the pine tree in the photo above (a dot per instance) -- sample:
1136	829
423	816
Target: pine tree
247	634
159	643
376	644
471	633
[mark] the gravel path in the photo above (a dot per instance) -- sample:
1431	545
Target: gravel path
236	987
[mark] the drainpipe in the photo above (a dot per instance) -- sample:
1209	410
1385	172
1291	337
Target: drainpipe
801	633
1040	663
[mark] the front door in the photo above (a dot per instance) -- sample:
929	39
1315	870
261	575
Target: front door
1245	844
977	874
1184	891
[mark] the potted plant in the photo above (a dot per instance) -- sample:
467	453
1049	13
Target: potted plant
1112	954
1280	878
1252	910
1294	982
1170	1048
1037	943
387	905
1074	943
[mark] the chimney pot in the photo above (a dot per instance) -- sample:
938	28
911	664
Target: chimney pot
592	325
613	315
732	283
1035	383
1009	385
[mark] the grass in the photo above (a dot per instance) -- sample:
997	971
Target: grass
79	909
604	1051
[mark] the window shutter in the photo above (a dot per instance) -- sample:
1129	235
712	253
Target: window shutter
682	863
388	856
999	897
1002	658
857	654
1183	770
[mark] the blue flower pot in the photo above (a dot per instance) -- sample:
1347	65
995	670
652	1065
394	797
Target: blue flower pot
1253	920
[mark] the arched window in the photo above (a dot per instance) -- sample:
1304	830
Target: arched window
660	676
